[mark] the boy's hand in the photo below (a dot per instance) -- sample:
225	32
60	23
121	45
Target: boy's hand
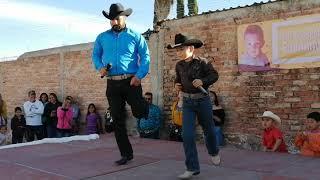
178	86
197	82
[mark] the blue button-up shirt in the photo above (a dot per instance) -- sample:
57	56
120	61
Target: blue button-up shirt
154	119
127	52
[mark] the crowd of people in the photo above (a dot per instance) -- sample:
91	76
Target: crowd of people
46	117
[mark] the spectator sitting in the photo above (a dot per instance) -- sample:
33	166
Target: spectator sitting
309	141
175	128
109	121
272	136
150	128
18	126
218	118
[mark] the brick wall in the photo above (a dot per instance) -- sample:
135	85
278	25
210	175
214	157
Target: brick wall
64	71
291	94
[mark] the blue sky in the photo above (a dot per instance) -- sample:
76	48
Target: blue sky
29	25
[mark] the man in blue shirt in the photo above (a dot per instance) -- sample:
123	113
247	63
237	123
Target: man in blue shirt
149	128
127	53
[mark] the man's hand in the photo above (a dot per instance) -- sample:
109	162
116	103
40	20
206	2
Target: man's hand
103	72
197	82
135	81
178	86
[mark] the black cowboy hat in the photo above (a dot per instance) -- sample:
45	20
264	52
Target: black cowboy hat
116	10
182	40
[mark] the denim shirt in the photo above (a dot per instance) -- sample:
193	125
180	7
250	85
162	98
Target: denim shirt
127	52
154	119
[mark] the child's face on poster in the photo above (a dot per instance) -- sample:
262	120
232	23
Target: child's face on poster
253	43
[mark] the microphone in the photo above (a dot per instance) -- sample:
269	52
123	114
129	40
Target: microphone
108	67
203	90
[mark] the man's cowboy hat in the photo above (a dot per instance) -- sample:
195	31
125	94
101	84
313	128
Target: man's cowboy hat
269	114
116	10
182	40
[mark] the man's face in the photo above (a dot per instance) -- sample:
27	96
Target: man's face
311	124
32	97
148	98
185	52
253	44
118	23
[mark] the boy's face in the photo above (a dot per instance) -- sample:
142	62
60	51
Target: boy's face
253	44
267	123
18	113
3	130
185	52
311	124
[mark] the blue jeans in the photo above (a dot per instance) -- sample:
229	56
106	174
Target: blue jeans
219	136
201	108
51	131
63	133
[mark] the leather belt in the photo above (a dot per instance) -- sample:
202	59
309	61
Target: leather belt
194	96
120	77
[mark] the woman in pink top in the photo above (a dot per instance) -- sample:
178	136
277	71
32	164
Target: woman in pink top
64	114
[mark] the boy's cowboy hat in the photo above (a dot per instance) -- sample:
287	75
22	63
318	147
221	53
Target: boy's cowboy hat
116	10
182	40
269	114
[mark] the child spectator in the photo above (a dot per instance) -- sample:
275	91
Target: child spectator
254	41
18	126
64	114
218	118
93	120
309	141
3	135
272	136
109	126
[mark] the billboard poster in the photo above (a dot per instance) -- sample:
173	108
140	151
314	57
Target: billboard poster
280	44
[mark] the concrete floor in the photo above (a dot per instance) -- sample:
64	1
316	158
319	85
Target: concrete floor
153	159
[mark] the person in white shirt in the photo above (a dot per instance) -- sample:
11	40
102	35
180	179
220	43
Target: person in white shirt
33	110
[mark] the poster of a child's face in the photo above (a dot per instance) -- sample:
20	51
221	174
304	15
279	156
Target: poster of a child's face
279	44
253	44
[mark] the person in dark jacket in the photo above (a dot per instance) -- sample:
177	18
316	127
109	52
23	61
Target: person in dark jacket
50	115
18	126
193	77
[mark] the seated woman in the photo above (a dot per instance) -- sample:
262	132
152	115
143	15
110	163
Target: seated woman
218	118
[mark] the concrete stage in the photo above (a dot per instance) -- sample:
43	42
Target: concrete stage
153	159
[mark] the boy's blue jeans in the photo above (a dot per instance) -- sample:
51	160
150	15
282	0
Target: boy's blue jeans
202	109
